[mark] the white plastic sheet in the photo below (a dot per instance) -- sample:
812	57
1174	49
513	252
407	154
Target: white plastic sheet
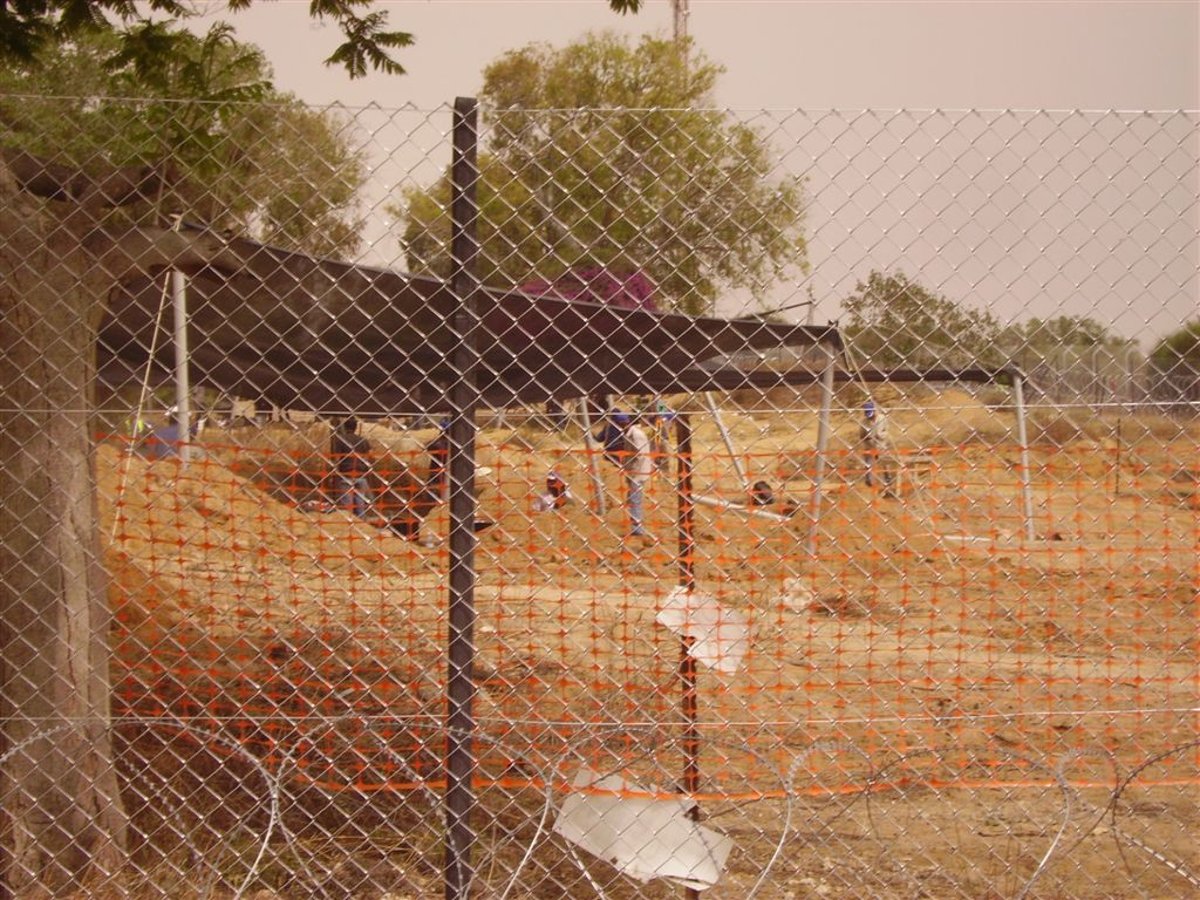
642	836
720	636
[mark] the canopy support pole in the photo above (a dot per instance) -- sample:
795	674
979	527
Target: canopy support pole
600	506
183	390
1023	439
728	439
823	431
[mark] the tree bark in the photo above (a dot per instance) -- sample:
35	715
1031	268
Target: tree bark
58	266
60	789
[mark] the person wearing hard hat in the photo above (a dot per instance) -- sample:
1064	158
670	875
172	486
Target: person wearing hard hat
876	443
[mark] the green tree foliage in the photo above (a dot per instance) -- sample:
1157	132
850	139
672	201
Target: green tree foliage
1082	333
257	161
28	28
1062	341
893	321
1179	352
603	153
1063	331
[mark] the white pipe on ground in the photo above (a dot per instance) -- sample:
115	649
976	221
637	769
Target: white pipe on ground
740	508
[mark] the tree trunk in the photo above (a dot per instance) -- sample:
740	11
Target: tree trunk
59	789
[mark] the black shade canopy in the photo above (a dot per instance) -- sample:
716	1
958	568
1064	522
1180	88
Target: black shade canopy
307	333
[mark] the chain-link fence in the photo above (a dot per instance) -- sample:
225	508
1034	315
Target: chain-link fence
599	502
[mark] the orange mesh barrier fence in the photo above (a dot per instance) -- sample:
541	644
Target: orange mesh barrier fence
244	595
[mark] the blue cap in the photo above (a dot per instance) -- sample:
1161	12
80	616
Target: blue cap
869	407
444	424
620	418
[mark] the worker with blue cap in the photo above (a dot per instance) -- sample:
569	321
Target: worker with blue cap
611	438
876	443
627	446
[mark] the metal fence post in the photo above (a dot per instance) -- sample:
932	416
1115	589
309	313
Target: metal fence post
687	580
460	688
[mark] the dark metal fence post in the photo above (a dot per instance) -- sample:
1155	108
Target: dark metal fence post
464	398
687	504
687	580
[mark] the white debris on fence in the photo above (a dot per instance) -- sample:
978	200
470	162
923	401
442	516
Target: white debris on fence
720	636
641	835
797	594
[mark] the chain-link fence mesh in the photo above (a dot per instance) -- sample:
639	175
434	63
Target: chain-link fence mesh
902	607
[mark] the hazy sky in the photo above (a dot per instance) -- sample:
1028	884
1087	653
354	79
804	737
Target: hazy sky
1095	54
1133	262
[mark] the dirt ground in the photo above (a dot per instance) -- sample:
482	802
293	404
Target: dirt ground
965	690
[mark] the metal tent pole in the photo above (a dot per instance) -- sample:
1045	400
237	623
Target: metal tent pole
1023	439
593	464
464	399
823	430
728	439
183	391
